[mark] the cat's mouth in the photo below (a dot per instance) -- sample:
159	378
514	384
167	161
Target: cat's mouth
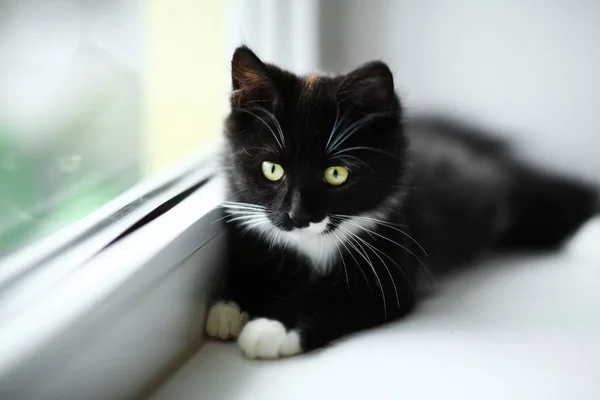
315	228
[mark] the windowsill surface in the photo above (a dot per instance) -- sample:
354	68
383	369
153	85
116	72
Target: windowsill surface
520	328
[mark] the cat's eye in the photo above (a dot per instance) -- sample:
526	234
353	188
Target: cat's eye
336	175
271	171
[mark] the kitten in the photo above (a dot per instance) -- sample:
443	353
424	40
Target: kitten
336	205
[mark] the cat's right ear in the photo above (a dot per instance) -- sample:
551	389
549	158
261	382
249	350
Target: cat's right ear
250	78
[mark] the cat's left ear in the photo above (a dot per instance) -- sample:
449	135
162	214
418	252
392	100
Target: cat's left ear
250	79
372	82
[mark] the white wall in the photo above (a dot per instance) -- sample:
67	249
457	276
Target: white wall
529	68
284	32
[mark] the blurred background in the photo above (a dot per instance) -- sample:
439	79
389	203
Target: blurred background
97	95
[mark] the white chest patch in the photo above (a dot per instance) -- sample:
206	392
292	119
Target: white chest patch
319	247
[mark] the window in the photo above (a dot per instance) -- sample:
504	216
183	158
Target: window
96	96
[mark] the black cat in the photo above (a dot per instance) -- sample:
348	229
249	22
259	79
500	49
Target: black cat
336	205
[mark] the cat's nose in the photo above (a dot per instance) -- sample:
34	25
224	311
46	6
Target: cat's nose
299	218
297	213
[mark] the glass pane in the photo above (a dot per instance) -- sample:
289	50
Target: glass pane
97	95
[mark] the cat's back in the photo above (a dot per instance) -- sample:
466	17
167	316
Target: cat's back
460	186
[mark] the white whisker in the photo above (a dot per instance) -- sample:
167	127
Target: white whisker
388	225
245	217
343	264
373	248
366	257
396	243
232	204
251	225
346	150
277	125
354	258
352	129
264	122
229	214
335	126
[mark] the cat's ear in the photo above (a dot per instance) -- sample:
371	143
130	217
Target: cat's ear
250	78
370	83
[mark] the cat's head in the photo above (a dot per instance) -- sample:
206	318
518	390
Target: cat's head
306	153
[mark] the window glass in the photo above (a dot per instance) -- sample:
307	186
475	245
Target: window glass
97	95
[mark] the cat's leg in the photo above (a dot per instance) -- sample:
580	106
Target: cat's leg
229	313
326	309
250	287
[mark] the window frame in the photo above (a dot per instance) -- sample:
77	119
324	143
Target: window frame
77	320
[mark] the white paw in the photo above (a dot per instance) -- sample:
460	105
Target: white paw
585	244
225	320
268	338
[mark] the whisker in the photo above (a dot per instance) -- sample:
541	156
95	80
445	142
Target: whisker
355	260
372	247
239	213
277	125
408	281
238	204
353	128
335	125
252	226
267	231
344	264
397	244
348	149
366	257
276	238
264	122
245	217
250	221
231	208
320	252
357	160
388	225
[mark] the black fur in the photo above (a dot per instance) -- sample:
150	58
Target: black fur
454	192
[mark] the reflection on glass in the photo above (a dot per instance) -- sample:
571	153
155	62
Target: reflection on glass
90	95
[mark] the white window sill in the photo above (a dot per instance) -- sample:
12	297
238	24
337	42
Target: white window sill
524	328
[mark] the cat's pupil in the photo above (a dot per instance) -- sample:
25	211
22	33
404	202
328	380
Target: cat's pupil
335	173
272	169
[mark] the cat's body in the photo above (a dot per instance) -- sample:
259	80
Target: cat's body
313	259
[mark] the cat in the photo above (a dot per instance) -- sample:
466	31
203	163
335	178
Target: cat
337	205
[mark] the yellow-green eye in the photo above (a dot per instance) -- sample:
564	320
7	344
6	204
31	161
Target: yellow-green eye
272	171
336	175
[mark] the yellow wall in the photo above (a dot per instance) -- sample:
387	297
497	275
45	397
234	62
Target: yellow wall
187	78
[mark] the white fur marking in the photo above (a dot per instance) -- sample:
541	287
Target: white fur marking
267	338
225	320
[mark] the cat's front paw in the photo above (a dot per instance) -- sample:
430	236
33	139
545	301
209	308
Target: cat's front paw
225	320
268	338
